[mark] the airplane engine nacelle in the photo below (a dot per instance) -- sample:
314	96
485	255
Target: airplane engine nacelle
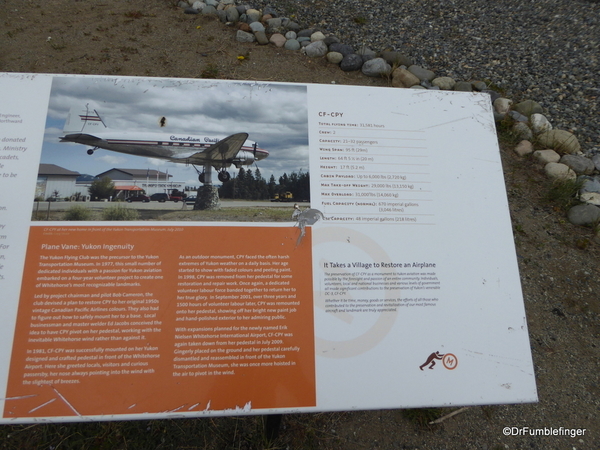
243	158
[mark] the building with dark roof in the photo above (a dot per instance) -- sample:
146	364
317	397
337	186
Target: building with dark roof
56	182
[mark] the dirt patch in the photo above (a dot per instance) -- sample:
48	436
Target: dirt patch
147	38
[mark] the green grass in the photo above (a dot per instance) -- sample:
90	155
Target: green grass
119	212
78	212
210	71
243	214
563	193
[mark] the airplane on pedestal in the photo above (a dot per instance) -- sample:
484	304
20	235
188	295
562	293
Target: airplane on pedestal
86	127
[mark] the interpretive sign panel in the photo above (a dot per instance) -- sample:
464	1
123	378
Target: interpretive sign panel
389	281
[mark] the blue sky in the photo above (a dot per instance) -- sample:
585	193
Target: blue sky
274	115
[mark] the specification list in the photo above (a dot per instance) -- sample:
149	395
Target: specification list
372	173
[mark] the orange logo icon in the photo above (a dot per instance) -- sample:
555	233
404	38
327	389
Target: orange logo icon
450	361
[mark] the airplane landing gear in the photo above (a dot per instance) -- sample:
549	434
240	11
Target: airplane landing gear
224	176
90	151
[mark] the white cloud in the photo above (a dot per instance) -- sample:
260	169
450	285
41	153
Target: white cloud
111	159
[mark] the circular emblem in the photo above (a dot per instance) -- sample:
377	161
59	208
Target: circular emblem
450	361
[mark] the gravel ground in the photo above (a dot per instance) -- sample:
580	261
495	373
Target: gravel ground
544	50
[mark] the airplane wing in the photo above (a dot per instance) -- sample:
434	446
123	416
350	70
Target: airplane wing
221	151
81	138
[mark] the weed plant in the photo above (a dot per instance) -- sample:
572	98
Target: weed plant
78	212
421	417
505	132
563	193
119	212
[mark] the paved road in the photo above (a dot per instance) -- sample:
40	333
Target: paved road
166	206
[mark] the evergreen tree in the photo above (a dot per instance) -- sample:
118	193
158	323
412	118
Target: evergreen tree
102	188
250	185
272	186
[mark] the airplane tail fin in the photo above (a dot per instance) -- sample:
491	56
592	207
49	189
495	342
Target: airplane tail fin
80	120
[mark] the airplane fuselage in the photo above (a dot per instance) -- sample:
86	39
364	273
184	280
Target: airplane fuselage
173	147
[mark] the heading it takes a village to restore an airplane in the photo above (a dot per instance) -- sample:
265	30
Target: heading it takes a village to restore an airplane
86	127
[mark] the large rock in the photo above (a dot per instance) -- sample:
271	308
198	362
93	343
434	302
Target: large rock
292	44
522	131
493	94
586	214
335	57
524	148
479	85
580	164
596	161
277	39
560	140
305	33
291	25
528	107
344	49
376	67
252	15
367	53
589	184
351	62
244	27
396	59
558	171
232	14
317	36
209	10
274	25
257	26
316	49
518	117
242	36
403	78
592	198
539	123
444	83
331	40
421	73
546	156
502	105
261	37
463	86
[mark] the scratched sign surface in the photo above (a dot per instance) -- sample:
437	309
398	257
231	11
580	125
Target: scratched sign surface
383	287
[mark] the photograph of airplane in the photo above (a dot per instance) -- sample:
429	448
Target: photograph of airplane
184	128
85	126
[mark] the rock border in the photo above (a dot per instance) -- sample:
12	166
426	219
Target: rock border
560	153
